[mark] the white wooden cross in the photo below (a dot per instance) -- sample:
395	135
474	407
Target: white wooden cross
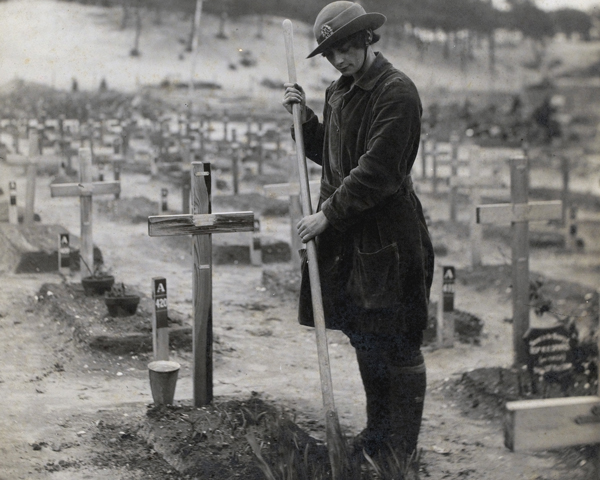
33	154
85	190
474	184
519	213
201	223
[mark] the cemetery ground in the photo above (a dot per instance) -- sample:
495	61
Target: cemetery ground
76	399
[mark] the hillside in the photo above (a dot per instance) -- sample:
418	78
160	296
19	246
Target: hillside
70	40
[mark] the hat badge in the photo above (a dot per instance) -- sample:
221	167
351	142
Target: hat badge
326	31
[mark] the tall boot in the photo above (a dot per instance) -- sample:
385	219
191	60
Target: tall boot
407	395
375	376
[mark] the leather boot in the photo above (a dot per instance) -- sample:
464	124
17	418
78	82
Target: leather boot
407	395
375	375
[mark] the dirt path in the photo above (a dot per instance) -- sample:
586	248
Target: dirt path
55	392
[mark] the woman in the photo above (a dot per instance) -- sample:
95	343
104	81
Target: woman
375	254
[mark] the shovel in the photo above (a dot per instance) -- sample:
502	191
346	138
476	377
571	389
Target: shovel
336	444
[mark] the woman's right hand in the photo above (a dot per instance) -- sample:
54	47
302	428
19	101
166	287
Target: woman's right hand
294	94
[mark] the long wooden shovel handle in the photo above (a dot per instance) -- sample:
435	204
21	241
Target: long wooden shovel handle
311	249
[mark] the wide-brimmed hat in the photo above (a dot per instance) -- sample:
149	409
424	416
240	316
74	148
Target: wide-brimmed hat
341	19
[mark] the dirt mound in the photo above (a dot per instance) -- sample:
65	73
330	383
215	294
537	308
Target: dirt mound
34	248
94	327
215	441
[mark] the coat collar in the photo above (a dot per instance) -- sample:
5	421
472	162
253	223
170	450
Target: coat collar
371	76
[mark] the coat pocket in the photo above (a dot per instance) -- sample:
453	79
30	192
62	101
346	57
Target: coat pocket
375	280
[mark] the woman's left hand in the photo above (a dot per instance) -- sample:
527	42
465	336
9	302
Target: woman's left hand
311	226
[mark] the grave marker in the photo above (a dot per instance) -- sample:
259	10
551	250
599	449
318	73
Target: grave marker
445	319
13	212
552	423
201	224
550	355
34	152
519	213
85	190
64	253
164	203
255	245
160	319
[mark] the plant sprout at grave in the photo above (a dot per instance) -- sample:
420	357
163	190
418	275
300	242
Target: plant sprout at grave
117	290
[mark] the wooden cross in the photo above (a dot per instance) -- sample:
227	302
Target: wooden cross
519	213
475	183
552	423
85	190
201	223
33	154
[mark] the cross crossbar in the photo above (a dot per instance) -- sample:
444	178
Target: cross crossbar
202	224
85	189
520	212
287	189
551	423
475	182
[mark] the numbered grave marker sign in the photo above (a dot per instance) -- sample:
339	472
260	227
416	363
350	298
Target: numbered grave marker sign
64	253
160	320
13	213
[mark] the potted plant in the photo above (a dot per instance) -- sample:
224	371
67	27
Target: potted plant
97	282
119	302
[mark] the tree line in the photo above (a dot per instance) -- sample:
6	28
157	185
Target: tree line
449	16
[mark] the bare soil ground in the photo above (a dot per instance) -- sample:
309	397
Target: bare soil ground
78	403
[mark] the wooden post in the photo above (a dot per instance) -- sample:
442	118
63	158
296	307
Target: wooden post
202	289
249	132
519	213
85	199
225	126
64	254
154	164
564	164
445	319
201	224
185	193
571	230
13	211
117	167
454	142
434	159
235	163
160	319
255	245
34	153
519	192
85	189
163	205
260	152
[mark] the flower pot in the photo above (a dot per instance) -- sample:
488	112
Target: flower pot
123	306
163	380
97	285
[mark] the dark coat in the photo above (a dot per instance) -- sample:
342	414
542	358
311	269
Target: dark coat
375	258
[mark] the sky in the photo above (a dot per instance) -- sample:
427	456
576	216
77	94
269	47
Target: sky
556	4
